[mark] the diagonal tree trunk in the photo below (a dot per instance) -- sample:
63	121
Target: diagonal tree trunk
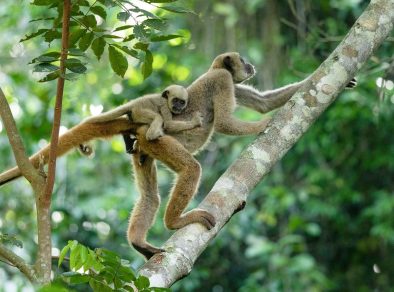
231	190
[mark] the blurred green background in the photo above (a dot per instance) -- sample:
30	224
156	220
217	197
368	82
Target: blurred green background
322	220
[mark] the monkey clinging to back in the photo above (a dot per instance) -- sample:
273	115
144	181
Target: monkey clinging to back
156	111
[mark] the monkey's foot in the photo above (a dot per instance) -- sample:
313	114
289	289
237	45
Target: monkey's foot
194	216
146	249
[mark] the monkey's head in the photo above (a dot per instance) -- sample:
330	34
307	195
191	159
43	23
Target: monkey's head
177	98
236	65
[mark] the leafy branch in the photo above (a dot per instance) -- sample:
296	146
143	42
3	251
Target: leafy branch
87	33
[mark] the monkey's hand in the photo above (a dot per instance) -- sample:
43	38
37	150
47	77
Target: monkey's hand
153	134
197	119
264	123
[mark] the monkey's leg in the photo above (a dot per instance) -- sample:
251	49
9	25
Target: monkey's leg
188	170
144	212
74	137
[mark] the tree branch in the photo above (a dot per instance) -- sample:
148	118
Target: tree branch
230	192
58	103
43	264
22	160
16	261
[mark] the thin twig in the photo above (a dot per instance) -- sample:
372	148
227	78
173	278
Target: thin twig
58	104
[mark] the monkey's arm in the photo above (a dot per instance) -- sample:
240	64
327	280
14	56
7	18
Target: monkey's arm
223	107
265	101
110	115
171	126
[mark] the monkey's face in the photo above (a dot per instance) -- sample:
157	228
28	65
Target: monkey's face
177	98
236	65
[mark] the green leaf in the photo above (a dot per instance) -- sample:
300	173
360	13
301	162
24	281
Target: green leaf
99	286
89	261
177	9
98	46
73	244
160	1
45	67
157	24
118	61
48	57
142	282
108	273
100	11
74	256
96	265
123	16
51	35
144	12
89	20
63	254
86	41
75	66
127	50
75	36
126	274
160	38
147	65
141	46
50	76
118	283
39	19
129	38
84	254
109	256
140	33
123	27
71	76
44	2
34	34
75	278
83	3
111	36
108	3
76	52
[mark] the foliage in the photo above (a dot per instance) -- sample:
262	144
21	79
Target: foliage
322	220
101	269
89	30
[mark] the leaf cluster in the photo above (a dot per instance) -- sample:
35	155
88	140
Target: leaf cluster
102	269
89	29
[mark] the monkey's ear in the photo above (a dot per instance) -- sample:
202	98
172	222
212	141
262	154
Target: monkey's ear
165	94
227	62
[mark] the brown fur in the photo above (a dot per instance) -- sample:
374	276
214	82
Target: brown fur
213	96
155	110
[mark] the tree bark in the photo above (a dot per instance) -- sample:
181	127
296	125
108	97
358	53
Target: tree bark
230	192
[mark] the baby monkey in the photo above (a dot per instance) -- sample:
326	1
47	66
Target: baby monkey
155	110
